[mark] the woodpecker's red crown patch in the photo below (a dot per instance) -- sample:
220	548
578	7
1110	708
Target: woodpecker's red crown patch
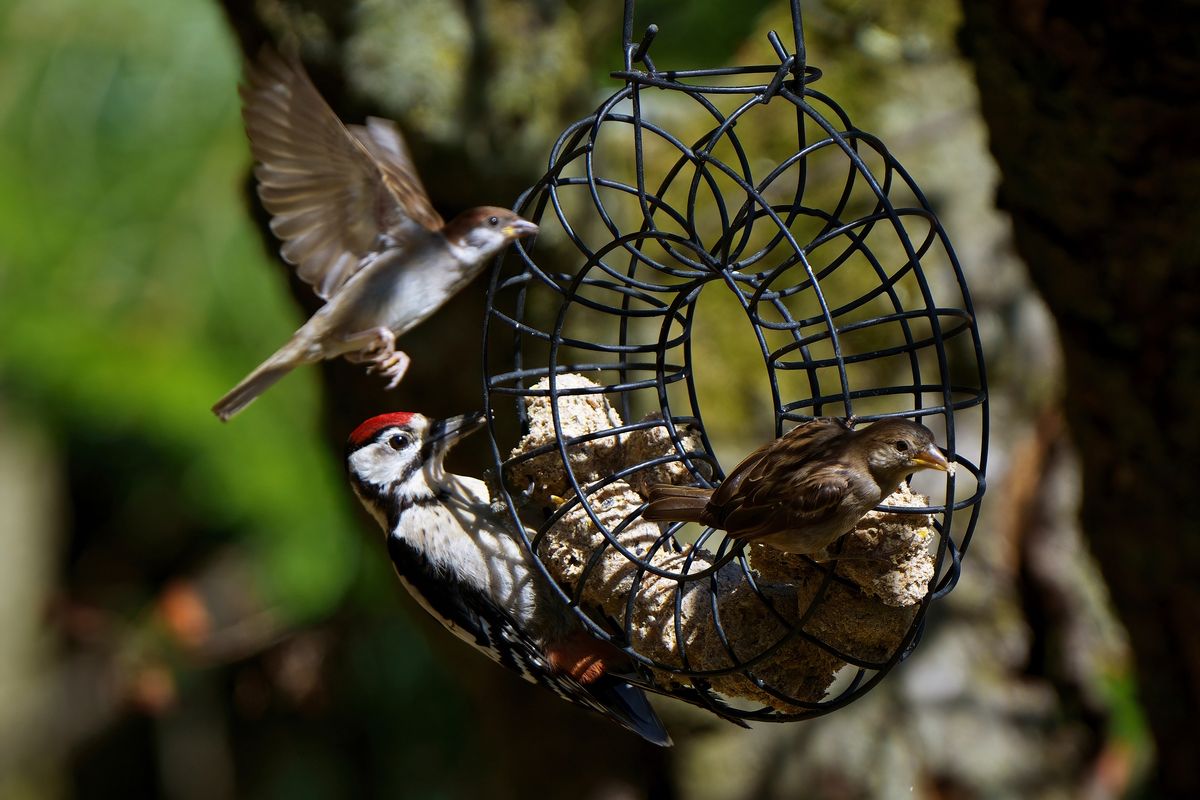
367	430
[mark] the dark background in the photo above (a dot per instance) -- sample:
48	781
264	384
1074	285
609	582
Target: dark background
191	610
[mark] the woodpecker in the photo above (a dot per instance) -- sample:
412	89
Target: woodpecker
460	560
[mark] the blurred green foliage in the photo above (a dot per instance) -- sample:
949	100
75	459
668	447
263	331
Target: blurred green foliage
134	288
701	34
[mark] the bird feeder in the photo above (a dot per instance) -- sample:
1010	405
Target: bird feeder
739	207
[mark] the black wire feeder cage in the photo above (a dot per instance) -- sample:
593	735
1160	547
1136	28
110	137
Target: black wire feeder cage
726	208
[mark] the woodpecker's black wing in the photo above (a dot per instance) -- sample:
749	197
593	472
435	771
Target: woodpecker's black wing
472	616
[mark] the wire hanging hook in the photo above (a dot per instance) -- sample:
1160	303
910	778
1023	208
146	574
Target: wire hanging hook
635	54
798	35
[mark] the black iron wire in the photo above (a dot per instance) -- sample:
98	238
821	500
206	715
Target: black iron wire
911	292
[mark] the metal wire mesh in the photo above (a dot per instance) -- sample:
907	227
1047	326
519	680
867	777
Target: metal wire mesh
853	298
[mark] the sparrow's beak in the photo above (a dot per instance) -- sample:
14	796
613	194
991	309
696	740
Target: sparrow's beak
520	228
933	458
444	433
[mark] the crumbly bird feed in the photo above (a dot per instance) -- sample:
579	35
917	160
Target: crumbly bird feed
685	614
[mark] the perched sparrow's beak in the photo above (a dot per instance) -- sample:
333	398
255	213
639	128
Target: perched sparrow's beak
443	433
933	458
520	228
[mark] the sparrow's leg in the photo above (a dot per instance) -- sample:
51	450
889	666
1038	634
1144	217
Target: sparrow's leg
374	345
378	346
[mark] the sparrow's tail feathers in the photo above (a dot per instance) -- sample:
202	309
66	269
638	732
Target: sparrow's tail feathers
676	503
262	378
629	707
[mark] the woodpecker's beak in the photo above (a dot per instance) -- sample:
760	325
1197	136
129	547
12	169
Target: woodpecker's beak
443	433
520	228
933	458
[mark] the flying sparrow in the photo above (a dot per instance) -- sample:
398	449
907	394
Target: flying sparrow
357	225
459	558
802	491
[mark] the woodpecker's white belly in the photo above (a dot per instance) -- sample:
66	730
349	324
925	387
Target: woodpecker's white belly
462	536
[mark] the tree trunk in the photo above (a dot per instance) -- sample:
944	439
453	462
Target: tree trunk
1093	112
525	742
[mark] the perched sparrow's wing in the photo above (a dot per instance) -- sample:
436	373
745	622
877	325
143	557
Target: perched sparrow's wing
791	501
749	468
796	447
331	192
781	480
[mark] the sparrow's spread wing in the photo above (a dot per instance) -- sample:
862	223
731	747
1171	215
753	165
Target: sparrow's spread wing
383	140
331	191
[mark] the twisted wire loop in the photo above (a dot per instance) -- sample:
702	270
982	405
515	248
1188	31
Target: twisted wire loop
679	188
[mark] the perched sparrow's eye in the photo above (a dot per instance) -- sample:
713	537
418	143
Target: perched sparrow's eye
493	221
900	445
398	441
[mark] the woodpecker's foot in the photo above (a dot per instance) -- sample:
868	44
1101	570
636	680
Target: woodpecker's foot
392	366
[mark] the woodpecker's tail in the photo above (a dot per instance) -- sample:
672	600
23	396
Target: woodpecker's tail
676	503
578	671
285	359
629	707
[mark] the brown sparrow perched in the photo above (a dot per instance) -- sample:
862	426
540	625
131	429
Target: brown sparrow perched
357	225
802	491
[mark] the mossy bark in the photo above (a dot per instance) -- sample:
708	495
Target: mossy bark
1093	113
526	742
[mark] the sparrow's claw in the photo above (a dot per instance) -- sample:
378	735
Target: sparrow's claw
374	345
384	346
394	367
380	350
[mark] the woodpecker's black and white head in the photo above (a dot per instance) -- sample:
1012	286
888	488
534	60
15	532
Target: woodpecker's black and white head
395	460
